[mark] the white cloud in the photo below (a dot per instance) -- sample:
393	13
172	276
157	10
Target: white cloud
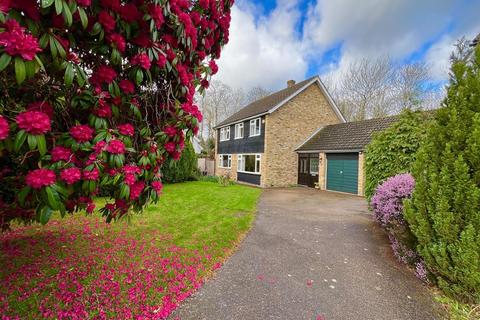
265	51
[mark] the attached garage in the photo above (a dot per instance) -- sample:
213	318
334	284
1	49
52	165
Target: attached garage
340	150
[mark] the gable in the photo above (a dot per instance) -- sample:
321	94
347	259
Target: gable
276	100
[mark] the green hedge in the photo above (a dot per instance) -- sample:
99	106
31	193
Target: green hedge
393	150
184	169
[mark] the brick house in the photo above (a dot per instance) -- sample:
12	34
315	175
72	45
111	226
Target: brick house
257	145
296	136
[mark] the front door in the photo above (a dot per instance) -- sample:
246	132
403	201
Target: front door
308	169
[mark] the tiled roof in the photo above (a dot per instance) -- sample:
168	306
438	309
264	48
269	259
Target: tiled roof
346	136
264	104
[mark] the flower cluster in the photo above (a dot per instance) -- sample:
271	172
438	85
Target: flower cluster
17	42
82	104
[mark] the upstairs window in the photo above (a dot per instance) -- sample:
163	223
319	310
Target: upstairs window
239	131
225	161
249	163
225	134
255	127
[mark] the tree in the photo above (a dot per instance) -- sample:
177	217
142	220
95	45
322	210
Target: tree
256	93
393	151
373	88
99	94
184	169
444	213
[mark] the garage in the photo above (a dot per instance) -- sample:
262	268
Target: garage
342	172
341	155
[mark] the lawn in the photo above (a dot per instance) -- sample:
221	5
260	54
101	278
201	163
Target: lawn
81	267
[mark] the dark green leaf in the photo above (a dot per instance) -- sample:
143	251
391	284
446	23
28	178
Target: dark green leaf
42	144
20	72
58	6
32	142
46	3
45	215
19	140
67	14
69	74
83	17
23	194
4	61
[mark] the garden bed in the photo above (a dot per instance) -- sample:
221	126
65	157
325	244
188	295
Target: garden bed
80	267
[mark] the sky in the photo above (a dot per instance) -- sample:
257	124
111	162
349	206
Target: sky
272	41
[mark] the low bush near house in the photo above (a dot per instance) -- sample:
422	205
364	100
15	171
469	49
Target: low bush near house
387	205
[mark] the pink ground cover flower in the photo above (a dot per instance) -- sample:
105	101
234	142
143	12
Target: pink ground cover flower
116	147
4	128
142	60
71	175
81	133
34	122
39	178
18	43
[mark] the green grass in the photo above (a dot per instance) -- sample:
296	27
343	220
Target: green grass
166	251
454	310
198	213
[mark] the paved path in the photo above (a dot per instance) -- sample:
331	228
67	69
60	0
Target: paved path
311	255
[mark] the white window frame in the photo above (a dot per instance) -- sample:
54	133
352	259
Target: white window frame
253	127
229	161
238	127
314	173
225	133
241	163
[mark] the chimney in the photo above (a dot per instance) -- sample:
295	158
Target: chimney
290	83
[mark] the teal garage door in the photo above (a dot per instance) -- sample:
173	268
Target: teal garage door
342	172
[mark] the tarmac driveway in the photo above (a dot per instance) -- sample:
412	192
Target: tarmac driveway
311	255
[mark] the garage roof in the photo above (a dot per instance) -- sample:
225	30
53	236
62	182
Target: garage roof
349	136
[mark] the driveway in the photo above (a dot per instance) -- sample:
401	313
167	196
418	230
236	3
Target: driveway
311	255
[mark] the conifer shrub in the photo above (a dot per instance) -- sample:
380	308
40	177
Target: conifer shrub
184	169
444	212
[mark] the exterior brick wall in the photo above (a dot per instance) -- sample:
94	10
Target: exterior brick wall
224	171
361	174
322	171
288	127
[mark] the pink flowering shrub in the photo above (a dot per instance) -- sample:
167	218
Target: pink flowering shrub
387	206
92	87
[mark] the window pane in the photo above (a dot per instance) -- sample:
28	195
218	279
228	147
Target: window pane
314	166
250	163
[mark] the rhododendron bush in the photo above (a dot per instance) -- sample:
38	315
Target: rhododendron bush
99	93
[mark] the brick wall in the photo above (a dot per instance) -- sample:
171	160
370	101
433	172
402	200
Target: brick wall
224	171
287	128
322	171
361	174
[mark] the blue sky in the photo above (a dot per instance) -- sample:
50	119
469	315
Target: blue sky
276	40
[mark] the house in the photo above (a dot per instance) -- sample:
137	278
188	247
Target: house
257	145
334	156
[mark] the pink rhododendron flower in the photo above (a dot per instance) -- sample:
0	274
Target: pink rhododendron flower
18	43
116	147
4	128
142	60
126	129
170	131
104	74
40	178
157	186
130	13
71	175
81	133
91	175
127	86
60	153
170	147
156	12
5	6
118	40
213	66
106	20
84	3
34	122
136	189
103	110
